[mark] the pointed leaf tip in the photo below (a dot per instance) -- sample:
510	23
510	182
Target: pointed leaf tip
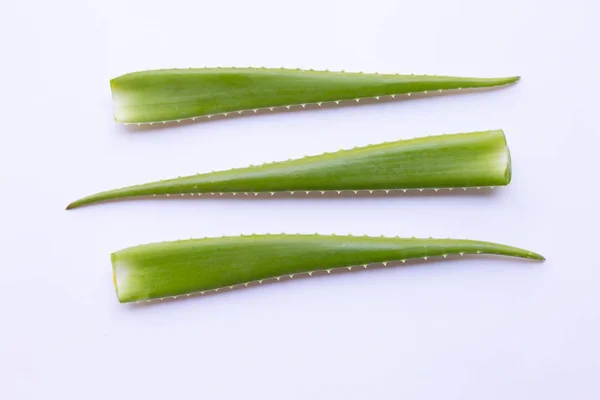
537	256
74	204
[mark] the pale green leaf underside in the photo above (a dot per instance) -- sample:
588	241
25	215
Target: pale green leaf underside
178	94
171	269
475	159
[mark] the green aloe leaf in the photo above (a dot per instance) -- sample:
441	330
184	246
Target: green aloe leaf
463	160
178	94
171	269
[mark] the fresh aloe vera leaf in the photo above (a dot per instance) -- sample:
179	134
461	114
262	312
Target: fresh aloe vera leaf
178	94
463	160
171	269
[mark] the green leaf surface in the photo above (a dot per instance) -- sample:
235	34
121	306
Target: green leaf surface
178	94
473	159
171	269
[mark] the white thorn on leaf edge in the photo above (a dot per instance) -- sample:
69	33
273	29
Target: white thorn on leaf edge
322	192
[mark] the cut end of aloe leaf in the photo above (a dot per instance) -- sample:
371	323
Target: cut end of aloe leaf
120	279
504	161
508	173
125	287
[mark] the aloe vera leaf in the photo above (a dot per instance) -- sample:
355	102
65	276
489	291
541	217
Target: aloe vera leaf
473	159
177	94
171	269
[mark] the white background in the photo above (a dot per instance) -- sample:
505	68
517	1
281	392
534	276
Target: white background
468	329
